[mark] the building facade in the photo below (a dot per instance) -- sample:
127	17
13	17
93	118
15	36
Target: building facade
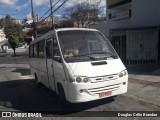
3	41
133	27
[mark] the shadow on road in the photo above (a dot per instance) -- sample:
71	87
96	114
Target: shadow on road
24	96
23	71
14	60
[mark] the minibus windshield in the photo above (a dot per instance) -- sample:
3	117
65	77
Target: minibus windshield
84	45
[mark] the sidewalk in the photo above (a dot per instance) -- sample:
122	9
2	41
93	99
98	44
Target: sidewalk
19	52
144	83
12	55
5	54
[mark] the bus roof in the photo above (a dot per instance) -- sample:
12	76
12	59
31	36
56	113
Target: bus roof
48	34
66	29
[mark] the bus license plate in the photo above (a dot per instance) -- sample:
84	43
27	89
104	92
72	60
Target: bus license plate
104	94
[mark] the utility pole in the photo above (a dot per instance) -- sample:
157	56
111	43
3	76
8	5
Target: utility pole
51	5
89	9
34	25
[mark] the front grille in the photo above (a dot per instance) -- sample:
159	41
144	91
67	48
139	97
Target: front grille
104	89
104	78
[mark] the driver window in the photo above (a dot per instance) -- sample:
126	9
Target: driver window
49	48
56	53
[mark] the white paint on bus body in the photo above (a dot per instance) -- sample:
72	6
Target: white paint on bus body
84	77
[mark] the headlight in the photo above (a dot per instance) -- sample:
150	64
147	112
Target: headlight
123	73
79	79
85	80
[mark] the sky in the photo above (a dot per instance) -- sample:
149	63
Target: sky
19	8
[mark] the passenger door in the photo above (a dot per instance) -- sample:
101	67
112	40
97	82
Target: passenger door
49	54
59	74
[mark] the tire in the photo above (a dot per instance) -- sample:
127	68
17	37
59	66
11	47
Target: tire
37	83
114	97
62	96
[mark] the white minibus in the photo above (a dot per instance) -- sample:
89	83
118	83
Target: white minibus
79	64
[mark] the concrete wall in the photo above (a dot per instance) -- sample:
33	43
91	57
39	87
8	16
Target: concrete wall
145	13
141	44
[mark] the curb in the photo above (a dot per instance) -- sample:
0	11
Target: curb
11	55
4	55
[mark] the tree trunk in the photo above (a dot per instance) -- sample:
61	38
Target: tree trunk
14	52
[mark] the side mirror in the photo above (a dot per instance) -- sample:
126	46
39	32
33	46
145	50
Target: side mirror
57	58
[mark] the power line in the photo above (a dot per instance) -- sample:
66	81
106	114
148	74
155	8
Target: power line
49	10
43	8
56	9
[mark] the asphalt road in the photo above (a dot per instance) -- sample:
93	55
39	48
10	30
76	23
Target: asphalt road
18	93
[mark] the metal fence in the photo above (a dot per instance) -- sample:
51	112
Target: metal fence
137	45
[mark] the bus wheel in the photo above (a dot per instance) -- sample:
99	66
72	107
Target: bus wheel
114	96
36	82
62	96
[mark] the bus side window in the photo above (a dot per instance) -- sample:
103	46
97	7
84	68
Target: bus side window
30	51
36	51
41	49
56	53
49	48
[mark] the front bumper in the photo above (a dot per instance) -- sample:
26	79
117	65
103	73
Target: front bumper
84	92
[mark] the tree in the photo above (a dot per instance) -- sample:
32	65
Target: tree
65	24
1	23
13	32
13	43
83	14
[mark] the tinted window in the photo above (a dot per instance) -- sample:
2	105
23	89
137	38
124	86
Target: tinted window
36	50
31	51
41	49
49	48
56	53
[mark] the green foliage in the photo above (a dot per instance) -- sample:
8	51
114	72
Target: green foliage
41	31
12	30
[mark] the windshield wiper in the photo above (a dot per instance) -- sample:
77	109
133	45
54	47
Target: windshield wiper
78	56
111	55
